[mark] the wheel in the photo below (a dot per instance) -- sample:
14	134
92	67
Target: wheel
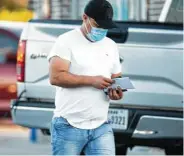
174	150
45	132
121	150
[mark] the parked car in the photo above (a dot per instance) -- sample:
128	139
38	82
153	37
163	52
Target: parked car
9	37
151	54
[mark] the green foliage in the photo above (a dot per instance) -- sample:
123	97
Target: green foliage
10	5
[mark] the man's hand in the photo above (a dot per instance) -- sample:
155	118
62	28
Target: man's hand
115	94
101	82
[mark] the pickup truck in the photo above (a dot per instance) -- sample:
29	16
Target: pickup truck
150	54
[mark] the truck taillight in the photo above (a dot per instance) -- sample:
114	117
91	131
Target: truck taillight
21	61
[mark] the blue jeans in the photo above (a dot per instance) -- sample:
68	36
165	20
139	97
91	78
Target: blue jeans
68	140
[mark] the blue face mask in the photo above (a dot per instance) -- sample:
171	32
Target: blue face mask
96	34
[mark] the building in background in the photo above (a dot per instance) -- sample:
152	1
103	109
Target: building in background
61	9
52	9
132	10
36	7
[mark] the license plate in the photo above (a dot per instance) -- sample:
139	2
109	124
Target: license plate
118	118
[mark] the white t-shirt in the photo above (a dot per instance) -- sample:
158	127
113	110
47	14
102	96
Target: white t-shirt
85	107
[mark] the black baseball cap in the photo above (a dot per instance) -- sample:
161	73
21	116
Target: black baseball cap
102	12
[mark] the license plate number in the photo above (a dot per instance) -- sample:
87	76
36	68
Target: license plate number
118	118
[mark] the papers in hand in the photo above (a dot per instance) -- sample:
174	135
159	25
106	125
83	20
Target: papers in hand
123	83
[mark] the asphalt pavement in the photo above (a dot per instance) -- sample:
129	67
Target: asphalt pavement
15	140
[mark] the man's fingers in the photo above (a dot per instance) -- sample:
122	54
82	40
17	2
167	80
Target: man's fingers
106	84
103	86
115	95
120	92
108	80
110	93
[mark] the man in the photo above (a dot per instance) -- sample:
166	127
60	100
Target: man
83	63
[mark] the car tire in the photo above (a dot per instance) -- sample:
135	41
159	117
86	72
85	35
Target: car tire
174	150
121	150
45	132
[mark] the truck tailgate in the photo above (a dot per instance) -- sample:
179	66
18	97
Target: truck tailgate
41	38
151	56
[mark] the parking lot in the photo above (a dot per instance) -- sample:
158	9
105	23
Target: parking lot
15	140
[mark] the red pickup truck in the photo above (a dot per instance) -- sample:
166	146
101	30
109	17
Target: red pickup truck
9	38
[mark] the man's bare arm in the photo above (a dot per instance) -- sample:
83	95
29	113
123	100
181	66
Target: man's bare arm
60	76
